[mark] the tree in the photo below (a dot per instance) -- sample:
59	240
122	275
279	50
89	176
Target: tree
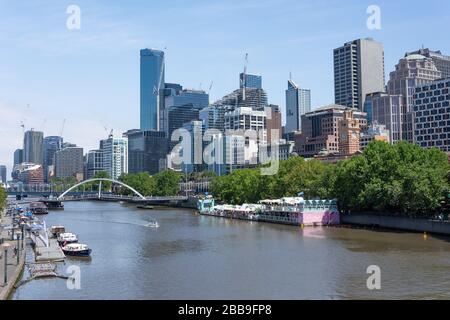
3	197
141	182
167	183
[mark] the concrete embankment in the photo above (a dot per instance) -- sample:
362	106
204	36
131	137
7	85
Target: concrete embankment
397	223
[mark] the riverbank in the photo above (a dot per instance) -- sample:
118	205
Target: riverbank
397	223
14	269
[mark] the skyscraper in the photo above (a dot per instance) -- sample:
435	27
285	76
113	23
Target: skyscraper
69	163
18	156
115	156
298	102
94	163
2	174
52	144
33	147
358	71
251	81
394	110
152	82
147	151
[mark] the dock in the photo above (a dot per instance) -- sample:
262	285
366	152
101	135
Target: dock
46	252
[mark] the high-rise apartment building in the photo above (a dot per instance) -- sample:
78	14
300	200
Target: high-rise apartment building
432	115
68	162
358	71
152	83
298	102
33	147
115	156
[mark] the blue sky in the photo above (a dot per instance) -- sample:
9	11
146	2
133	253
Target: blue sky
91	76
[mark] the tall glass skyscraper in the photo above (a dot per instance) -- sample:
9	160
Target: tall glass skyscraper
152	83
298	102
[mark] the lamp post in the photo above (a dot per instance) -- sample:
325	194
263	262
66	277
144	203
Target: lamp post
23	235
18	248
5	247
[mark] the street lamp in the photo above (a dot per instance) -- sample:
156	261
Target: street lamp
18	248
5	247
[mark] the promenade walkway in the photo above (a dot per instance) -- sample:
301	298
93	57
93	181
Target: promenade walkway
13	269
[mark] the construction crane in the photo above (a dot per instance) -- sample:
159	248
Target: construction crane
244	80
62	128
22	125
210	87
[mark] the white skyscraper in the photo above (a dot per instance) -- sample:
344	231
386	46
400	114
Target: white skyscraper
115	156
298	102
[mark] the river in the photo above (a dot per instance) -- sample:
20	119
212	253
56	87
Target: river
197	257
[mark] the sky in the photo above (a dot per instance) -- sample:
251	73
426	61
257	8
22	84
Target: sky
90	76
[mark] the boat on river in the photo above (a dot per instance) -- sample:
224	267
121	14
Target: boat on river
67	238
152	224
38	208
77	250
289	210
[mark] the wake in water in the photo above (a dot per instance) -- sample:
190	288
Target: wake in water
142	224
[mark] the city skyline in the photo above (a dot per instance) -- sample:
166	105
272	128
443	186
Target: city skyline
82	84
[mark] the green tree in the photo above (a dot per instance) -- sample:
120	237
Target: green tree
3	197
141	182
167	183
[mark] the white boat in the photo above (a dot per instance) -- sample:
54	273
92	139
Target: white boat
152	224
67	238
77	250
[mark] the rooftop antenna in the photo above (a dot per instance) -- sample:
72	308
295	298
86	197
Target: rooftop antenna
62	128
290	76
210	87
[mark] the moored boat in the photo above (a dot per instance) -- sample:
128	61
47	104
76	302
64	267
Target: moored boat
57	230
67	238
77	250
38	208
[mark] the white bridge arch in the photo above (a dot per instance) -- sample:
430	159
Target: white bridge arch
100	179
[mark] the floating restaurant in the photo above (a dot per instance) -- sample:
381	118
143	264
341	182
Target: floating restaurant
289	210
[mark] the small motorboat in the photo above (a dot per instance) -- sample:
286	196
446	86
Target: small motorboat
152	224
67	238
77	250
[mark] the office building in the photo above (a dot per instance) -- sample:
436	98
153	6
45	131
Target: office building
358	71
442	62
320	132
18	156
273	124
178	116
298	102
3	174
374	132
33	147
115	156
395	108
192	158
93	163
251	81
51	145
213	117
69	163
147	151
151	82
176	96
432	115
